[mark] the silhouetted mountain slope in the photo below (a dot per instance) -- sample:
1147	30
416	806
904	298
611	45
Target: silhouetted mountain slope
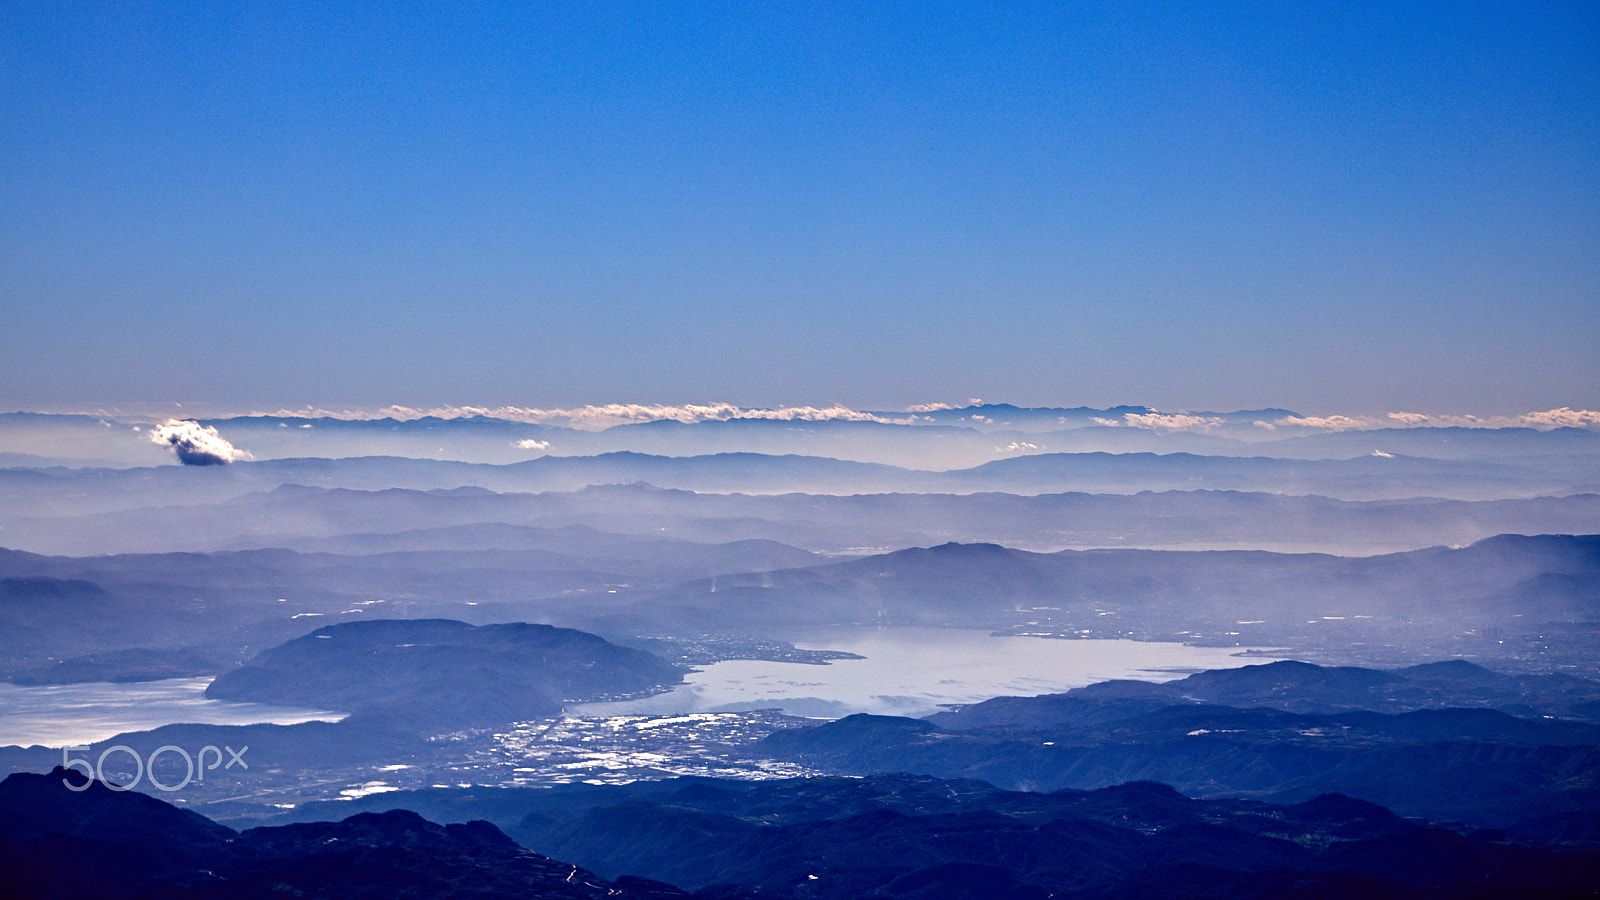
443	674
1299	687
904	836
897	835
56	841
121	666
1471	765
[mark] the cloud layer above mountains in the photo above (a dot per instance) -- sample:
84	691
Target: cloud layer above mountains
597	417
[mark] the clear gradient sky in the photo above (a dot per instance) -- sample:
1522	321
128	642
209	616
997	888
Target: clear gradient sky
1340	207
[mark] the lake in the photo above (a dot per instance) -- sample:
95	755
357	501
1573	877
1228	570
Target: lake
913	671
61	715
907	671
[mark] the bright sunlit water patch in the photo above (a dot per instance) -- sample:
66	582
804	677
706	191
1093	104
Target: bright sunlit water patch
913	671
61	715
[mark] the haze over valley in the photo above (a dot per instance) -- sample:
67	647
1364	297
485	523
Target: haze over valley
412	631
878	451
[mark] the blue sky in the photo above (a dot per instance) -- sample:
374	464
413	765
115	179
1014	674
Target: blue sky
1349	208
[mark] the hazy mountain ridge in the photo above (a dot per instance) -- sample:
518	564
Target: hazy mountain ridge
65	491
1504	588
1249	598
823	523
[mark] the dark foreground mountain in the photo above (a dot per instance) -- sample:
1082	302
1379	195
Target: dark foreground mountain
902	836
64	836
1294	731
442	674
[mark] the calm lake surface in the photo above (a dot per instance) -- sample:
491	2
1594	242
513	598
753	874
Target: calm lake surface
907	671
910	671
77	714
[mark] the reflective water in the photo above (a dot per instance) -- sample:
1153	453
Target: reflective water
77	714
911	671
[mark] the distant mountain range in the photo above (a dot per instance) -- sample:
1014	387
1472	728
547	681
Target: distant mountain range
61	491
1245	597
1496	598
222	507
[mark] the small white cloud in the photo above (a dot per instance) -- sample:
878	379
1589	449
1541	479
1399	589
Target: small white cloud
1109	423
1018	447
531	444
196	444
1382	455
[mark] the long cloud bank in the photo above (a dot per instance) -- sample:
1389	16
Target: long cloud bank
595	418
598	417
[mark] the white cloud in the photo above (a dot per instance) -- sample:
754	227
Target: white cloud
1017	447
1410	420
1563	418
196	444
1328	423
1164	423
531	444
